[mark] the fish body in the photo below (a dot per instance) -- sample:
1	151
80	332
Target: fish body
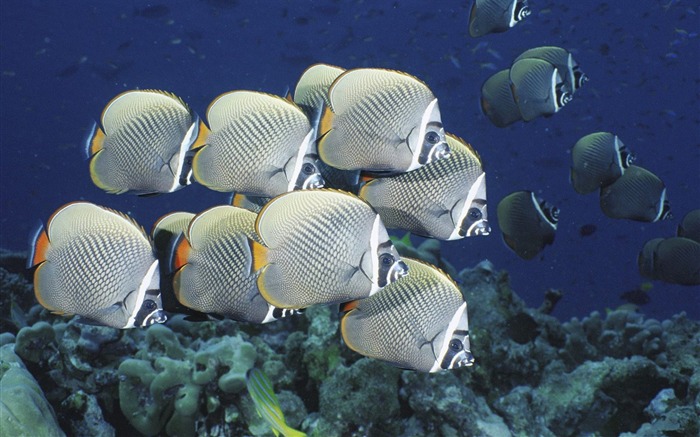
636	195
419	322
143	144
99	264
538	88
675	260
563	61
497	100
444	200
495	16
322	247
527	223
259	144
690	226
598	160
213	265
382	121
266	403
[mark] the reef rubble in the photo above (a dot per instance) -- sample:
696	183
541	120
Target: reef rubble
618	373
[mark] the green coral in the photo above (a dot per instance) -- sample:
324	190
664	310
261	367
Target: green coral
24	409
166	384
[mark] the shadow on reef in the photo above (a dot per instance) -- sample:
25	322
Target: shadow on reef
616	374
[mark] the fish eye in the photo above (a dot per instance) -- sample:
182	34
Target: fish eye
432	137
386	259
308	169
456	345
554	213
475	214
149	305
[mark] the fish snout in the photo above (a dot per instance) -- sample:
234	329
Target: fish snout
442	150
480	228
315	181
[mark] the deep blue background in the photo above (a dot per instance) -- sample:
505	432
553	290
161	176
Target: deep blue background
63	61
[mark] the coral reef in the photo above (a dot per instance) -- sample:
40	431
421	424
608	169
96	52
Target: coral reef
614	374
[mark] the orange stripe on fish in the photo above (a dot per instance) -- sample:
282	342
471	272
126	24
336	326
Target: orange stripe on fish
202	136
96	141
326	122
260	255
181	252
38	247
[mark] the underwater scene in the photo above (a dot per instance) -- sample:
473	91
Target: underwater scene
350	218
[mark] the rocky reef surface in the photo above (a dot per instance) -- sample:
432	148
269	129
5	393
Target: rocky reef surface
613	374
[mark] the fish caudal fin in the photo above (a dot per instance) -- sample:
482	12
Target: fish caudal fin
180	253
202	136
94	140
325	122
260	255
38	245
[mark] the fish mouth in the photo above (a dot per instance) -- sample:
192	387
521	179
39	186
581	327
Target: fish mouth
314	181
398	270
157	316
480	227
442	150
464	359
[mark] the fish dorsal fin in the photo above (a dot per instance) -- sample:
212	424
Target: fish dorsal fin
456	142
231	106
70	219
60	225
129	220
291	204
352	86
174	223
416	264
122	108
222	217
315	77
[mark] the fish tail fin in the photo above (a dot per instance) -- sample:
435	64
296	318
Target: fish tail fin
288	94
38	245
94	140
325	121
260	255
346	307
179	253
202	136
237	200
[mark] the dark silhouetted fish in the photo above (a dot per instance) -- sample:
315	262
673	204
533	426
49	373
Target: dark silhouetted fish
675	260
527	223
636	195
497	101
598	160
495	16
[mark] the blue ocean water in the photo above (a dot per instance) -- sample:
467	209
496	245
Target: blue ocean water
61	62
